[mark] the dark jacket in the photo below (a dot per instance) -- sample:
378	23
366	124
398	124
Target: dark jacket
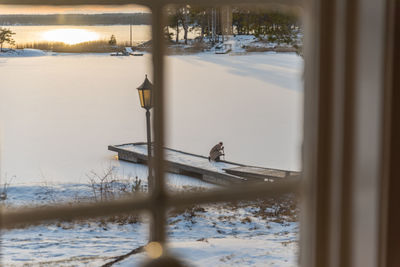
216	151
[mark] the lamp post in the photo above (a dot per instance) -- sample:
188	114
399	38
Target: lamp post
146	101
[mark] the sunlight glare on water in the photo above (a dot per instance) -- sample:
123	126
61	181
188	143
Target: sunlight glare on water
70	36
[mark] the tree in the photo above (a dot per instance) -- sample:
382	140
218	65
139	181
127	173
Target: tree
113	40
173	21
185	21
199	19
179	16
282	28
6	37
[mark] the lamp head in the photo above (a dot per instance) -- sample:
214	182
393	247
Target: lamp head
146	94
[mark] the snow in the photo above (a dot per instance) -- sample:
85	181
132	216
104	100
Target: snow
19	195
227	236
239	42
70	243
234	252
182	158
26	52
258	233
228	252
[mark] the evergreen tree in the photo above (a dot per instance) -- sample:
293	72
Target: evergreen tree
6	37
113	40
276	26
173	20
199	18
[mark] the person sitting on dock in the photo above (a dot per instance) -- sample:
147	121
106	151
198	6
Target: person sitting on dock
216	152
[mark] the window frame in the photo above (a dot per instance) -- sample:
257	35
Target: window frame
345	125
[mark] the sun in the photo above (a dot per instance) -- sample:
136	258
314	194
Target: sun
70	36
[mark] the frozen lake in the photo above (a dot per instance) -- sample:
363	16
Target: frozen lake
60	112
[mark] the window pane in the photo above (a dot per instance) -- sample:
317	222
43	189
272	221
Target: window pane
63	100
235	79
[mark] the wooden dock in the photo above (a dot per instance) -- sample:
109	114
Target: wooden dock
221	173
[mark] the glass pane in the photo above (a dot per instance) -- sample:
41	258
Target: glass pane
68	92
147	97
234	75
141	98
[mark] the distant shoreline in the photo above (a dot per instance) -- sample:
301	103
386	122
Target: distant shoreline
29	52
94	25
239	45
76	19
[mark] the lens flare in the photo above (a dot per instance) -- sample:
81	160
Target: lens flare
154	250
70	36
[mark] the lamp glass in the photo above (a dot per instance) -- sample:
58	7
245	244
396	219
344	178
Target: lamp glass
145	98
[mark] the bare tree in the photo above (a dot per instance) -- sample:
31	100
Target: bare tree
180	16
185	20
4	188
109	185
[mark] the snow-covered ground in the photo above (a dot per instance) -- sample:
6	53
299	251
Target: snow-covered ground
235	45
58	113
23	53
258	233
229	236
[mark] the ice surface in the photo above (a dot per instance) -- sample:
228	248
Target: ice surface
59	113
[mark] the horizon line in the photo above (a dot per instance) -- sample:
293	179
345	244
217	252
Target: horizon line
64	10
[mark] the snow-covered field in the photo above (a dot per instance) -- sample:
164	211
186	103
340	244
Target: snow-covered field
58	113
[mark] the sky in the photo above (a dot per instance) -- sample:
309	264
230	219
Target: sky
14	9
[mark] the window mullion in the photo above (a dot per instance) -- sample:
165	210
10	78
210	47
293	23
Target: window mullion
157	225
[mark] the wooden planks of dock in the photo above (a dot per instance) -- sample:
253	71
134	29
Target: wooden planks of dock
221	173
261	173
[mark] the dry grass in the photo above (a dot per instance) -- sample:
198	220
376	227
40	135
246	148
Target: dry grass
258	49
280	49
194	48
285	49
281	209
